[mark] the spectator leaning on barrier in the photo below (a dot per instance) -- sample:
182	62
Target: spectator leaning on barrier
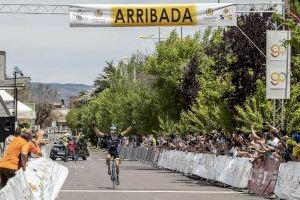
296	146
10	138
17	151
267	142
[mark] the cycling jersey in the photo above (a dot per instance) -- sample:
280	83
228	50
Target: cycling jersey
113	145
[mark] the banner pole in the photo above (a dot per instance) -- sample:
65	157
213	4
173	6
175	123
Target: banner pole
274	112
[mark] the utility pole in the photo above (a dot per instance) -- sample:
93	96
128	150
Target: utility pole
158	34
287	8
181	29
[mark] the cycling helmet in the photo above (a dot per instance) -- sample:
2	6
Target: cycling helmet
113	127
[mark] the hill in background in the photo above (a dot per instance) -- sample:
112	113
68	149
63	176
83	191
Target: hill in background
67	90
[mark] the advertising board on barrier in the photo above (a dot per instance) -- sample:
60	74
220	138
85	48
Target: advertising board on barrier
263	177
45	178
42	179
10	192
288	181
120	15
260	177
229	170
233	171
204	166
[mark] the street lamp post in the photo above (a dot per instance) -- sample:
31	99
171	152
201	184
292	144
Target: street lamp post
15	73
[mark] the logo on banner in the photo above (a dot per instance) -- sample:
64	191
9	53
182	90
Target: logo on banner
277	50
226	15
209	12
79	18
98	13
278	78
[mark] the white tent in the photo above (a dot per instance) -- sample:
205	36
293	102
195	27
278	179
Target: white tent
5	96
24	111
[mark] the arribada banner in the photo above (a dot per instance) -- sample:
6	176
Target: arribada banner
278	64
122	15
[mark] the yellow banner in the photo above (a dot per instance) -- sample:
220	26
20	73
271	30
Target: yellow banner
124	15
162	15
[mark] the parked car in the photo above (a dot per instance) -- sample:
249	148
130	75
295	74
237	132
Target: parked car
58	150
66	151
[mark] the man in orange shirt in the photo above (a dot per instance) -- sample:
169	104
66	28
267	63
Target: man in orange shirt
18	149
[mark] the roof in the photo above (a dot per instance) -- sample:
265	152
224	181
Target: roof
24	111
4	112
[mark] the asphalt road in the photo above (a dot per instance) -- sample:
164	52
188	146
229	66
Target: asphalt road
88	180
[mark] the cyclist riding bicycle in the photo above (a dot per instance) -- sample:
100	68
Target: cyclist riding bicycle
113	146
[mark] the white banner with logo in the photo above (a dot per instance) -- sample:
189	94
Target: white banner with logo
17	188
233	171
278	64
122	15
229	170
288	181
45	178
204	166
42	179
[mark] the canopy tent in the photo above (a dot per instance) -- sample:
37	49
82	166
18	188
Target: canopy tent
5	96
24	111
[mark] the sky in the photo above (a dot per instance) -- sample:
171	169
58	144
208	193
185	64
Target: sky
48	50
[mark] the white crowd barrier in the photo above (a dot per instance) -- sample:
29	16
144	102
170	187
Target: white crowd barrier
42	179
17	188
288	181
231	171
228	170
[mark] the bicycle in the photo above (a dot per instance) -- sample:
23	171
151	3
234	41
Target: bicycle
114	175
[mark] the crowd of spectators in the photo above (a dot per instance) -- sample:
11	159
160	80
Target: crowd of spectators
18	148
267	143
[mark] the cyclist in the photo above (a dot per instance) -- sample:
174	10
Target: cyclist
113	146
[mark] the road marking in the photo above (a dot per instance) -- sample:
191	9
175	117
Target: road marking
150	191
75	166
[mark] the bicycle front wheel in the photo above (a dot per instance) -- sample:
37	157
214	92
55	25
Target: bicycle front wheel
113	175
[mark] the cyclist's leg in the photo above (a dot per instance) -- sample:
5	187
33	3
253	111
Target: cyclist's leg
117	160
108	158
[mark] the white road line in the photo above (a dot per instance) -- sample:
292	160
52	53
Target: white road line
150	191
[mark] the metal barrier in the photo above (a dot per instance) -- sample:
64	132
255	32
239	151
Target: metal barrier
141	154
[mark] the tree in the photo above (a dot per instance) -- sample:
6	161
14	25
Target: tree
239	57
211	110
167	65
190	85
102	81
256	110
43	96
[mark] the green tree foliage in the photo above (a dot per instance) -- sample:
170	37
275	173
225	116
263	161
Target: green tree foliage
256	110
295	7
211	110
197	84
122	102
167	65
102	81
190	84
237	55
